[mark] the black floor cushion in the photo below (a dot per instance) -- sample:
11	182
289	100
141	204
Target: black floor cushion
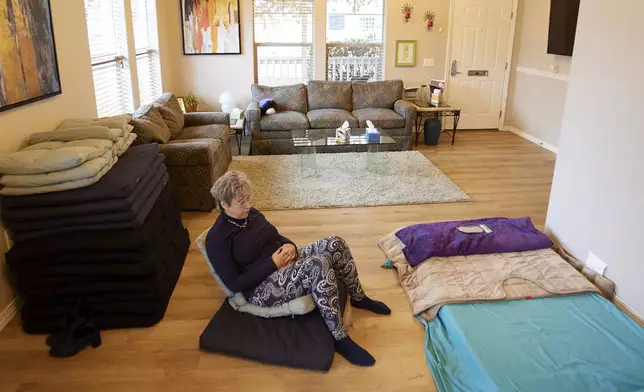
299	341
136	314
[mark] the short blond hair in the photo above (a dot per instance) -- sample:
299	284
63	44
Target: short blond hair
231	185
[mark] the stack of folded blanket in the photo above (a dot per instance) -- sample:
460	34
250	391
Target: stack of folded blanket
75	155
115	248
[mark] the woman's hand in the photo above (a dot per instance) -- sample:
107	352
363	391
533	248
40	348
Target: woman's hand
291	251
285	255
281	258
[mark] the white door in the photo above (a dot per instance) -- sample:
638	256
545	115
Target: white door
480	41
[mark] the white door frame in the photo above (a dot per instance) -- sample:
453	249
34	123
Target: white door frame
508	57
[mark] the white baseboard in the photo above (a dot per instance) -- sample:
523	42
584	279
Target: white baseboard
621	304
544	74
531	138
8	313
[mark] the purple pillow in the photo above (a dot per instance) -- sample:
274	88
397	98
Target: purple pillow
266	104
443	239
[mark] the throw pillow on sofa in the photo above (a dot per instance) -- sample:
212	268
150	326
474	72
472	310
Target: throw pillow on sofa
149	125
267	106
170	110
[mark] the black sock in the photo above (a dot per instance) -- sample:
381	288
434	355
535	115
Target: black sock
353	353
369	304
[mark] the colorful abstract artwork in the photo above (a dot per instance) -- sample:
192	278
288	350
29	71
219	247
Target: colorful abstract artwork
210	26
28	66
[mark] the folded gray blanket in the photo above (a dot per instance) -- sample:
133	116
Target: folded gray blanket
85	174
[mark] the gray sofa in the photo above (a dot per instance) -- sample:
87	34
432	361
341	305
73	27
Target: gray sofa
327	105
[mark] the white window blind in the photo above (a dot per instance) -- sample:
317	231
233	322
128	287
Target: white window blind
356	50
108	51
283	41
146	43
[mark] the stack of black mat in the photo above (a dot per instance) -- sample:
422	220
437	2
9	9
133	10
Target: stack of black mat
114	249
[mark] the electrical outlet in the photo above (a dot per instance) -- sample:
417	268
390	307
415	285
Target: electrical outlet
428	62
594	263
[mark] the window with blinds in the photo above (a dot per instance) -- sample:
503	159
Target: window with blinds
355	52
108	51
283	41
146	44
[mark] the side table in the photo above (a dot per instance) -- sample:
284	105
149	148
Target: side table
238	130
426	110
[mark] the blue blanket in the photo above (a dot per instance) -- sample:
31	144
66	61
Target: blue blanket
576	343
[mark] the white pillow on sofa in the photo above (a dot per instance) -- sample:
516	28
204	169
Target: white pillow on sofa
301	305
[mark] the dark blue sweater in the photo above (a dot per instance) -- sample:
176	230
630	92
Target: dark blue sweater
242	256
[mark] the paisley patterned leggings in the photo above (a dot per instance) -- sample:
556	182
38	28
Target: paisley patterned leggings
315	273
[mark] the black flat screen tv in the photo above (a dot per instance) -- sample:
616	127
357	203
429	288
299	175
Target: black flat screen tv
563	25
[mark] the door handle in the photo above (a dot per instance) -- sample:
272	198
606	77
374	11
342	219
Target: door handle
453	71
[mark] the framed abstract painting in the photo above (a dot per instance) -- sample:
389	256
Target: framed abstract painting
210	27
28	64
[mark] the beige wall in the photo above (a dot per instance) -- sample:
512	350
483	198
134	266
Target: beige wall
596	202
209	76
531	39
77	99
430	44
538	80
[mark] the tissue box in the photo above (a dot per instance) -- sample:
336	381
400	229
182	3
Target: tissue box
373	135
342	135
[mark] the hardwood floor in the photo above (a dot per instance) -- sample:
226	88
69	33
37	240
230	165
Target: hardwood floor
504	175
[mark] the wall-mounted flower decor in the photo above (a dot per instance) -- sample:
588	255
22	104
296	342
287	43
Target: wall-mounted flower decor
407	9
429	17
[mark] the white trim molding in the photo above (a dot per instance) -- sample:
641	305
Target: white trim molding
8	313
531	138
628	310
538	72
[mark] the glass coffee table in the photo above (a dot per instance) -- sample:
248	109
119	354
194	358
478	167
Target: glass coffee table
309	142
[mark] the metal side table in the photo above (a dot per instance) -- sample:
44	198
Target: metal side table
426	110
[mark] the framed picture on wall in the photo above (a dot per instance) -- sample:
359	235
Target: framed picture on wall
210	27
405	53
28	64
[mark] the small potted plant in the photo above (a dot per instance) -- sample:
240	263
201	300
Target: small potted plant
407	9
429	18
192	102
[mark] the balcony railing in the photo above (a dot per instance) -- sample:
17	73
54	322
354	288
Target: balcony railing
348	68
277	71
280	64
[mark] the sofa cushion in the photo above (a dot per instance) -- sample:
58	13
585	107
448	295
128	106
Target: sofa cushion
330	118
193	152
211	131
284	121
329	95
286	98
376	94
149	125
171	112
381	118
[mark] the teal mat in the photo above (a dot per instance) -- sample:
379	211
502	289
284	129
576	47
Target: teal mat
576	343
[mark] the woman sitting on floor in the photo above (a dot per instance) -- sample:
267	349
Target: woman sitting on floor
250	256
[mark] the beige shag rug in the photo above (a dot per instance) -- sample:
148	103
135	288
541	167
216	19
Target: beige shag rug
342	180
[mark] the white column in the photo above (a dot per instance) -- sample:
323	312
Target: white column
131	53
